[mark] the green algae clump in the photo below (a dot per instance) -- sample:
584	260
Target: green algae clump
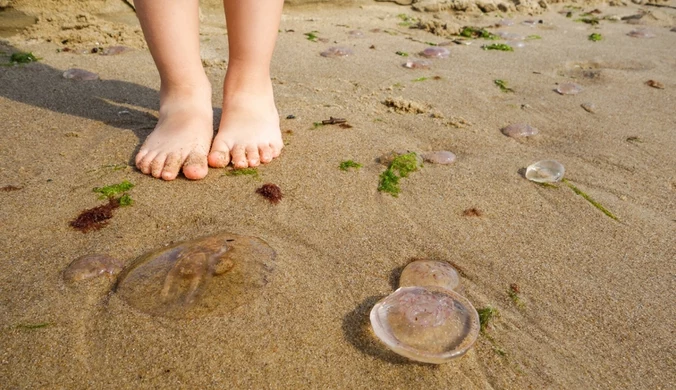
22	58
502	84
595	37
242	172
346	165
114	189
401	166
476	32
498	46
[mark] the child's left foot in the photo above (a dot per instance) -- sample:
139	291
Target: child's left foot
249	131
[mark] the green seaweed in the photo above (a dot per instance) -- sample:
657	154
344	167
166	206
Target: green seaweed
112	190
34	326
421	79
312	36
502	84
126	200
346	165
242	172
595	37
589	20
534	36
401	166
476	32
486	316
406	20
498	46
514	296
23	58
316	125
589	199
401	53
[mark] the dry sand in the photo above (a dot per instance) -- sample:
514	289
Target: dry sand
598	294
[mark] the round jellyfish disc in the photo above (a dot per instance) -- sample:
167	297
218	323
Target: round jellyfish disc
546	171
568	89
80	74
207	276
519	130
426	324
442	157
641	33
429	273
336	51
418	64
91	266
435	52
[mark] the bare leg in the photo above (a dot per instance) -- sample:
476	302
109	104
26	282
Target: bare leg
249	130
184	131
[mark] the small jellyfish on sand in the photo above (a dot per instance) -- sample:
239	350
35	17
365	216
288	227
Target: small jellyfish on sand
443	157
546	171
418	64
429	273
207	276
91	266
80	74
336	51
356	34
510	36
589	107
641	33
504	22
435	52
568	89
517	44
519	130
427	324
115	50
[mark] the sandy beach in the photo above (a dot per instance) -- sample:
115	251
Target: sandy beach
595	307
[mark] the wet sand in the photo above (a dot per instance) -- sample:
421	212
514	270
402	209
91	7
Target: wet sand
597	294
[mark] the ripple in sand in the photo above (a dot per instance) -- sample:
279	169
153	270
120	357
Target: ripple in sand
333	52
80	74
568	89
206	276
426	324
91	266
442	157
435	52
519	130
546	171
641	33
418	64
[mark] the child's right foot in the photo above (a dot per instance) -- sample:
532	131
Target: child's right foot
182	136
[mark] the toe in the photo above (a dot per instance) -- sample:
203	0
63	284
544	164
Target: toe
145	164
239	157
195	166
276	148
265	152
171	166
139	157
252	156
219	158
157	165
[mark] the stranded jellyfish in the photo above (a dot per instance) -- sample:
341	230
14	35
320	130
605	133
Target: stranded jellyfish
429	273
546	171
91	266
641	33
206	276
80	74
336	51
517	44
425	320
435	52
568	89
519	130
443	157
427	324
418	64
356	34
510	36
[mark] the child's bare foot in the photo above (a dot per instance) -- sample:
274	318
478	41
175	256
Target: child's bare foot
249	130
182	136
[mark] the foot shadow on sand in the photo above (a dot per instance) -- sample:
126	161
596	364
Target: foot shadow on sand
120	104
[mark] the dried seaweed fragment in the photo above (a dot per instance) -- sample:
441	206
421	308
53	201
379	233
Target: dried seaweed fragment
10	188
271	192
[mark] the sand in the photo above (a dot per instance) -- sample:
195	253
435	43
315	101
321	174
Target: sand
597	294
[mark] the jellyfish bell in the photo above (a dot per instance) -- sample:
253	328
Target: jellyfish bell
429	273
427	324
545	171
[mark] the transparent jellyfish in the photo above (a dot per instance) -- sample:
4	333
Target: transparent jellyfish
429	273
335	51
519	130
443	157
546	171
641	33
206	276
435	52
91	266
568	89
80	74
426	324
418	64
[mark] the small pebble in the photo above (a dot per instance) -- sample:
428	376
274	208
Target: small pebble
336	51
443	157
519	130
80	74
435	52
568	89
418	64
641	33
91	266
654	84
589	107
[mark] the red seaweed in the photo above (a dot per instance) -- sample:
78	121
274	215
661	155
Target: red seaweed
271	192
95	218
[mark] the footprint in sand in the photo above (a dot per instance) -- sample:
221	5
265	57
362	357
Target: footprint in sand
207	276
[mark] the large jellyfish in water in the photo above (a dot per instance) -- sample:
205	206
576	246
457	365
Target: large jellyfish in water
207	276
